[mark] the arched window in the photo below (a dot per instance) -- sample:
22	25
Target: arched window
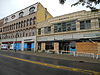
27	22
34	22
21	24
21	14
34	18
16	25
30	21
13	16
24	23
31	10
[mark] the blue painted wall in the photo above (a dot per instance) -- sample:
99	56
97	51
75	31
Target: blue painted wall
17	46
32	45
28	46
25	45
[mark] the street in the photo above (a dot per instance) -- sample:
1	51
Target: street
21	64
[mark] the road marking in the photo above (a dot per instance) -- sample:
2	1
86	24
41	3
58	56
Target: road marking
55	66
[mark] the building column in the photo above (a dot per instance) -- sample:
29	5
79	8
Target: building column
77	26
22	46
43	46
56	47
98	47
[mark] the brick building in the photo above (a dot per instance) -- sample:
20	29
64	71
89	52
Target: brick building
18	30
34	28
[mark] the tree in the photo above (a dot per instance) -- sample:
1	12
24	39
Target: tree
88	3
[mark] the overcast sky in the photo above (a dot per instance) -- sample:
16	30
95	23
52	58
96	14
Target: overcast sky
8	7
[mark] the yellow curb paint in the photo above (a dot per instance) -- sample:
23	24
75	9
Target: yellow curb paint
56	66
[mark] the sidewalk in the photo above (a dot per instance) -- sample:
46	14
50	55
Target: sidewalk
61	56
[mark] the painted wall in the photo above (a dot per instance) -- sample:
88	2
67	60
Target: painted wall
17	46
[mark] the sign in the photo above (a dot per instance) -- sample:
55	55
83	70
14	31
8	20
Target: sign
92	35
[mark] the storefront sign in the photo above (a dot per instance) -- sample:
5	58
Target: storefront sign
92	35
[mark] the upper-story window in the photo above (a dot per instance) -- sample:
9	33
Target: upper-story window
13	16
25	23
21	14
39	31
85	24
47	30
65	26
28	22
6	19
22	24
16	25
31	21
31	10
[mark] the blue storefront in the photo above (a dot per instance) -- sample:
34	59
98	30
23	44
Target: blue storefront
17	45
29	46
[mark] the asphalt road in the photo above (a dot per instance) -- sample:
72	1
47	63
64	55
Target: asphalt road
22	64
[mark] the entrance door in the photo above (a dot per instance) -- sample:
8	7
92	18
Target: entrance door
29	46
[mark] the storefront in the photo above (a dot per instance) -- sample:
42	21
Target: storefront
17	45
28	46
7	46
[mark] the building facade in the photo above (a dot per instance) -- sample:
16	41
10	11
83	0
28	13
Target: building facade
34	28
78	31
18	30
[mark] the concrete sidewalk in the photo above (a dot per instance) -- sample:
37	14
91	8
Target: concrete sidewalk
61	56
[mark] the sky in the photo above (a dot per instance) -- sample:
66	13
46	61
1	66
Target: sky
8	7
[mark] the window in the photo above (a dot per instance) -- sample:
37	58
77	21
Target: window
13	16
31	10
47	30
59	29
49	45
16	25
65	26
23	33
30	21
21	24
12	26
34	22
39	31
24	23
73	25
68	26
55	28
21	14
34	18
85	24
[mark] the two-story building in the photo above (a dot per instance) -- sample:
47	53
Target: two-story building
77	31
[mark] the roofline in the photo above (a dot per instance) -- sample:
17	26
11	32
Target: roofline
21	10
